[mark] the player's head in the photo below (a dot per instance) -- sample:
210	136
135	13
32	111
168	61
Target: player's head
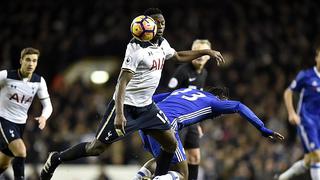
156	14
29	60
221	92
200	44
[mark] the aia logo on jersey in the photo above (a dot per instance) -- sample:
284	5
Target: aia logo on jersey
157	64
20	99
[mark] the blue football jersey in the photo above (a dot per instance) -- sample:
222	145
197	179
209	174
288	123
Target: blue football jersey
187	104
185	107
307	83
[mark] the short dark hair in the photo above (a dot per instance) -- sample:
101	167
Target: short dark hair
221	92
152	11
29	50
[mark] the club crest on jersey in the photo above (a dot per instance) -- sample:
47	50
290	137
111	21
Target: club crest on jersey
128	60
157	64
314	83
20	99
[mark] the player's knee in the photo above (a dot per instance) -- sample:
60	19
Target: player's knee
95	148
239	105
20	153
193	156
18	148
172	146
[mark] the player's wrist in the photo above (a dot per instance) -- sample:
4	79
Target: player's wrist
266	132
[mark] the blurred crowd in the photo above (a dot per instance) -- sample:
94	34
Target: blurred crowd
264	42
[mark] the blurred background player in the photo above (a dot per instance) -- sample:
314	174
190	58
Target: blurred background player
192	75
306	118
132	107
186	107
18	88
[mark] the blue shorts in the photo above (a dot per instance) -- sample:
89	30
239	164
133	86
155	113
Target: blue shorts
10	131
309	132
138	118
152	146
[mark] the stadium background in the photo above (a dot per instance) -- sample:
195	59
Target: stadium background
265	43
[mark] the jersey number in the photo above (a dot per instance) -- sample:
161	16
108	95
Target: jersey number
191	97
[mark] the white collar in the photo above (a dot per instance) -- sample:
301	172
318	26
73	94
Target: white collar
316	71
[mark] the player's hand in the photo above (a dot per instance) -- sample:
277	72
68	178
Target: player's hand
42	122
294	119
119	124
276	136
217	56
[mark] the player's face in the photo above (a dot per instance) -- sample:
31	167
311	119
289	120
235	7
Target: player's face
161	23
201	61
28	64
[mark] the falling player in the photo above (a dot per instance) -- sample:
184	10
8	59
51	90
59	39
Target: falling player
186	107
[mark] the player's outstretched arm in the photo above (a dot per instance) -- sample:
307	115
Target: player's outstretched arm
120	121
229	107
187	56
246	113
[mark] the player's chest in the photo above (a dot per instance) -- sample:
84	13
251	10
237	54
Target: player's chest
20	91
154	59
313	85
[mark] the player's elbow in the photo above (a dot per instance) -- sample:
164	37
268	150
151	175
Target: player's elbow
287	94
238	106
47	108
50	109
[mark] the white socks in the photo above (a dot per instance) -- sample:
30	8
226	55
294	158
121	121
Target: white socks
172	175
296	169
142	173
315	171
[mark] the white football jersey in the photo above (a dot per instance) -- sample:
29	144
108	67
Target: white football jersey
16	94
146	61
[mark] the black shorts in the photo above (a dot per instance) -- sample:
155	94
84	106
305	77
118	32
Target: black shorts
9	131
138	118
190	137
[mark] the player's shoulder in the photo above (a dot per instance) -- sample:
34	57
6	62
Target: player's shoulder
306	72
162	41
4	72
36	78
13	74
136	44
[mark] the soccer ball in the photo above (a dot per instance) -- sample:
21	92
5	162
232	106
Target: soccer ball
143	28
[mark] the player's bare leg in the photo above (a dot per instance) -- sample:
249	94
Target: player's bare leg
18	149
193	159
93	148
4	162
169	144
